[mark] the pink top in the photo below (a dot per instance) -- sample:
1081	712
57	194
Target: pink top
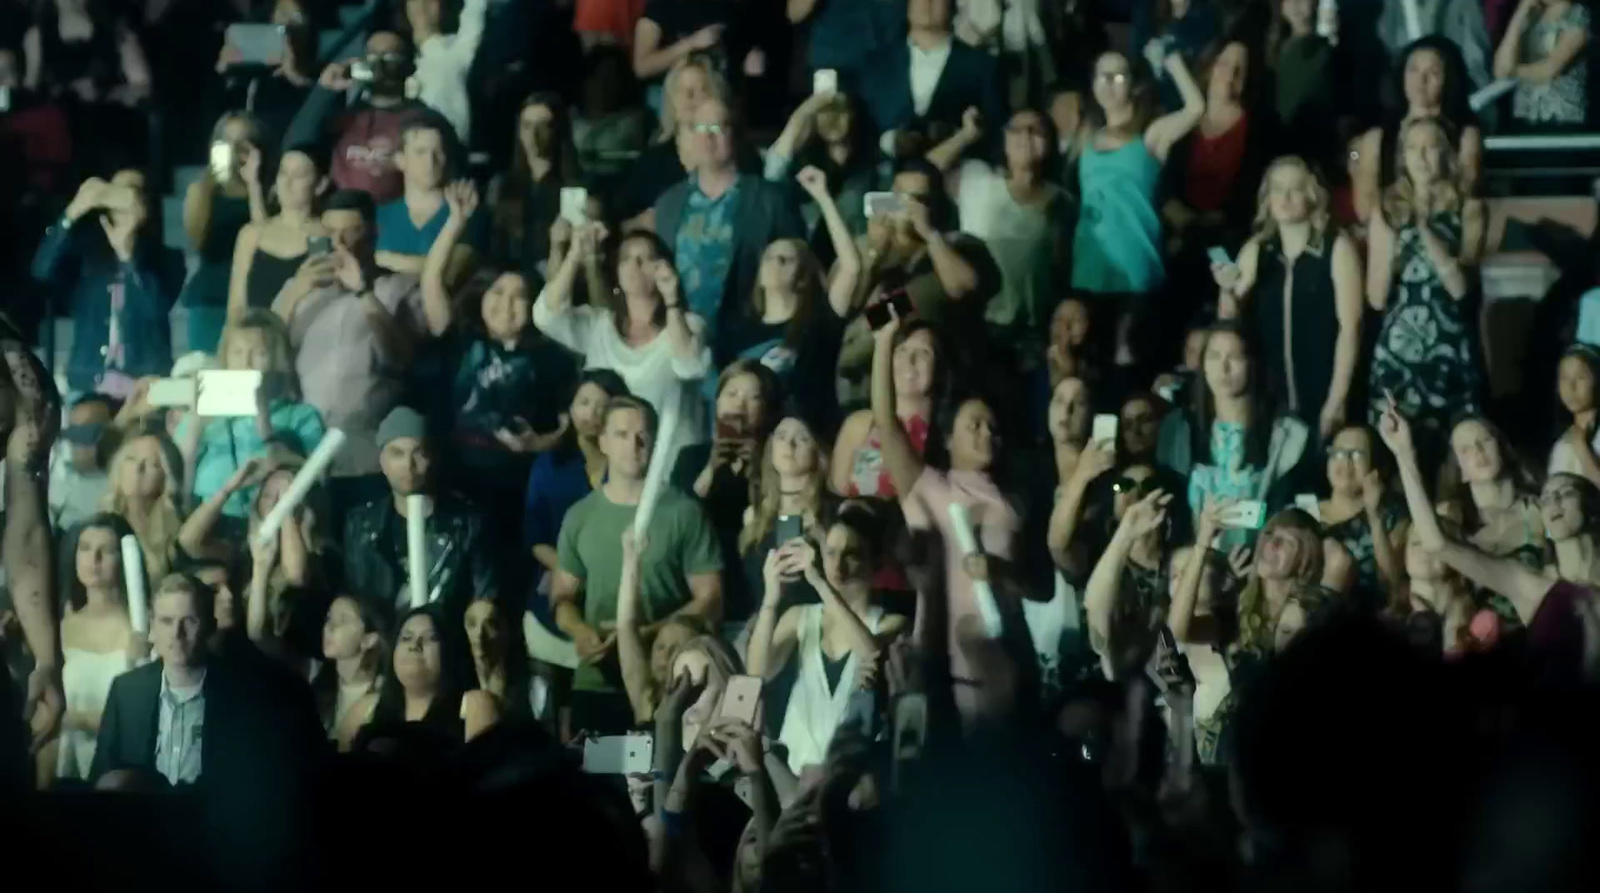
973	659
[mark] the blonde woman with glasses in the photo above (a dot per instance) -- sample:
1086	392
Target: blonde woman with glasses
1297	283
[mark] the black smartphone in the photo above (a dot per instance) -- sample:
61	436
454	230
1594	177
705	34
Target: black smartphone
878	314
788	528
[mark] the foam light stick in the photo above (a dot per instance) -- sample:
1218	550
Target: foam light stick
655	480
982	592
417	548
304	479
135	585
1413	19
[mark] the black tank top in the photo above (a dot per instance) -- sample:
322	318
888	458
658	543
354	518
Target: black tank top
268	275
1297	335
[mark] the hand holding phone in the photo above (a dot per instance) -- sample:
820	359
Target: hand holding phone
825	82
883	204
879	313
1105	429
1246	514
741	699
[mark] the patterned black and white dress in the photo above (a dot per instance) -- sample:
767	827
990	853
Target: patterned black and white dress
1426	354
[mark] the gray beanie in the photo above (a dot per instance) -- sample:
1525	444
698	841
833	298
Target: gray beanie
402	421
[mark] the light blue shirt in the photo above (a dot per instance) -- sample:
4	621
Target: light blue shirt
226	444
180	730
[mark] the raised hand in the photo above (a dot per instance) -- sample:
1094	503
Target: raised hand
1210	520
1395	430
1241	562
1372	490
972	122
1148	514
462	197
679	695
250	163
813	181
336	77
740	743
666	280
706	37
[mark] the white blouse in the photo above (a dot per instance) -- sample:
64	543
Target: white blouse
651	371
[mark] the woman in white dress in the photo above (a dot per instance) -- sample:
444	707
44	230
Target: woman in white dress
835	641
647	335
97	640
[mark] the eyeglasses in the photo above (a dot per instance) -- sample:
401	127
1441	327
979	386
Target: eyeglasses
1111	77
710	129
1556	497
1350	454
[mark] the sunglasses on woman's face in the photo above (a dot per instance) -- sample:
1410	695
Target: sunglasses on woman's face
1125	485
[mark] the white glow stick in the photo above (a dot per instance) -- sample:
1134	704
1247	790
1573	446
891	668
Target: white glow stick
661	455
304	480
133	583
1489	94
982	592
417	548
1413	18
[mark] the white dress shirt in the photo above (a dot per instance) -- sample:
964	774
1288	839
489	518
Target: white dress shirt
180	730
443	61
926	67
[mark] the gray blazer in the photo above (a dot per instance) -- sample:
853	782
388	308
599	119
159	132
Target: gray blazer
766	212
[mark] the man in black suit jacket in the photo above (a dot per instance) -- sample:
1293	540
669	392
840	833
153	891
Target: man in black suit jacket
927	83
252	730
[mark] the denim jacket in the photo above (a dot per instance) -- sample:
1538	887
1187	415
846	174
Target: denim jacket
149	289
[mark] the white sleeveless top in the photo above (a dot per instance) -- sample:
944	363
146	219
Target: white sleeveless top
86	683
814	711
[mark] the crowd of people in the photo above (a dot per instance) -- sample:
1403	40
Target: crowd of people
1054	429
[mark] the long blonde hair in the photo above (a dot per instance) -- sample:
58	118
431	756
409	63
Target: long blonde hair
280	349
1265	226
716	88
158	531
768	495
1448	192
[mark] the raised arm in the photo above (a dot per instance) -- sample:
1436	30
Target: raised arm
772	640
26	543
945	155
956	274
1508	576
687	346
899	459
651	59
796	133
847	266
632	655
197	528
1100	595
1064	518
1186	597
462	199
1167	130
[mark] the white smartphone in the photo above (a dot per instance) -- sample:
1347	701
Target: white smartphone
1310	504
619	754
877	204
1105	429
575	205
227	392
221	161
740	699
1218	255
172	393
1246	514
825	82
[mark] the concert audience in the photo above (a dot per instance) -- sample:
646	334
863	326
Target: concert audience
1016	417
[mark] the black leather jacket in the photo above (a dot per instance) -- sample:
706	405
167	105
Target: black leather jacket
375	557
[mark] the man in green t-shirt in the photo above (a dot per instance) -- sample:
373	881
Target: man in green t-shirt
680	571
